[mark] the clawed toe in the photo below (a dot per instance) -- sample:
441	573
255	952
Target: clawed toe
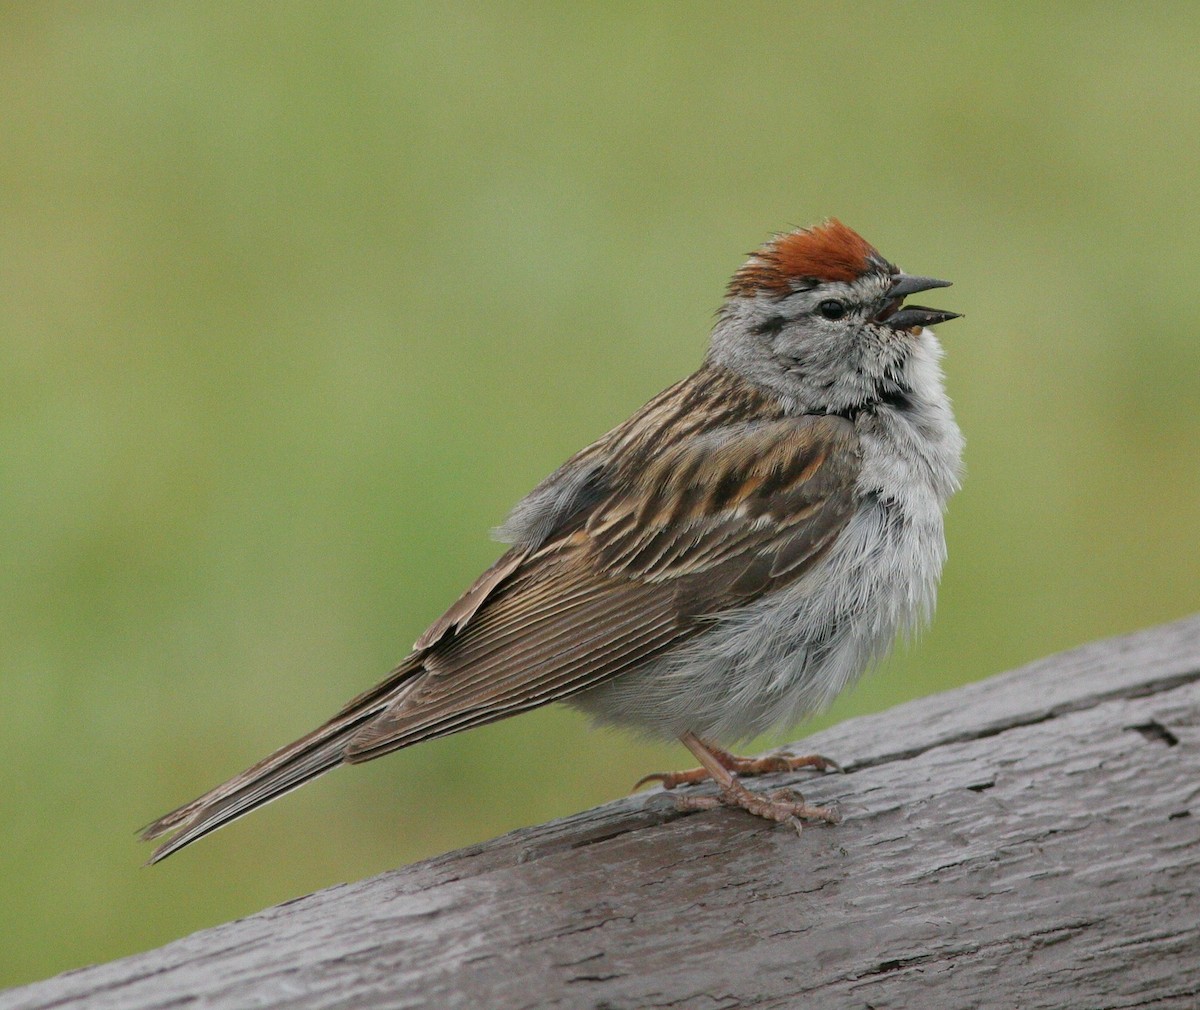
800	808
669	780
772	764
818	762
783	805
784	761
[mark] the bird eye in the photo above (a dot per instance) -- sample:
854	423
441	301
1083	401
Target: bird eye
832	309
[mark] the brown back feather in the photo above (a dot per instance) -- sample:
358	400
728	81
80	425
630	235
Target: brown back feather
685	528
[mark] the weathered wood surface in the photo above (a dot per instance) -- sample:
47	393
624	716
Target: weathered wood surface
1032	840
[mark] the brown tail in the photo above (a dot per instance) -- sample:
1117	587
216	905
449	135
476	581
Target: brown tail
279	773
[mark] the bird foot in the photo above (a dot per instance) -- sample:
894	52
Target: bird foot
783	761
784	805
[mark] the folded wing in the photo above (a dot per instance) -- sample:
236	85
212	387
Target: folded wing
708	525
672	534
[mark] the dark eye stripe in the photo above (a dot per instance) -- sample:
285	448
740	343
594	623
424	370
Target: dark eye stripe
769	327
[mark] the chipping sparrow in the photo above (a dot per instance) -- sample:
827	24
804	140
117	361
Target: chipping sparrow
728	559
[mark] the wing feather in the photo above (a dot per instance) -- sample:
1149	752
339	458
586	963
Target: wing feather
706	526
683	512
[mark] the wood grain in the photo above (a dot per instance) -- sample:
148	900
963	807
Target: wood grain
1032	840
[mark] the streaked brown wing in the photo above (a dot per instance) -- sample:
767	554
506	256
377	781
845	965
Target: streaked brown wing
682	535
466	605
766	493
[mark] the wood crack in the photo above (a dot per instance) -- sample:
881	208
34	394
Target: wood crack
1135	691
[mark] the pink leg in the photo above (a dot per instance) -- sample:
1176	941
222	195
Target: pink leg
783	805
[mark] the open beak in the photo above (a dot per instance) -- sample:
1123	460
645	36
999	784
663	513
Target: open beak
905	317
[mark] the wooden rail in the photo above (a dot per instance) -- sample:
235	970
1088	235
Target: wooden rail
1032	840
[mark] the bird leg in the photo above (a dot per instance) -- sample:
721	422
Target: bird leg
772	764
721	766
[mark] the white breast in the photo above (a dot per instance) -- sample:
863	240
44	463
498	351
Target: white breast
790	654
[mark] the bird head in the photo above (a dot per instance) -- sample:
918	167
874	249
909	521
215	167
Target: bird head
818	316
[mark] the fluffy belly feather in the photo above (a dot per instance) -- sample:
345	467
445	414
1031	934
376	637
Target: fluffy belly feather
790	654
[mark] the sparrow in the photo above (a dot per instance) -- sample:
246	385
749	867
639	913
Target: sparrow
727	560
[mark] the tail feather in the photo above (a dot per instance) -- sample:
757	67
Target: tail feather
288	768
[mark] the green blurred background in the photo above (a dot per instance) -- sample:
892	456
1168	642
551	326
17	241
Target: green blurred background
297	299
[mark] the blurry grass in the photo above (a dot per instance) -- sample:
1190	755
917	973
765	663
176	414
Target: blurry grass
296	301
